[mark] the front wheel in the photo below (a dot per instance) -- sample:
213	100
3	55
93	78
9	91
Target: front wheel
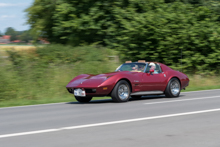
173	88
121	91
83	99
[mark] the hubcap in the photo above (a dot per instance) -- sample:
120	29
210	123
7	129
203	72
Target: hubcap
123	91
175	88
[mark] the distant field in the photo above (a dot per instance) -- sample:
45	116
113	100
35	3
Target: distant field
16	47
4	48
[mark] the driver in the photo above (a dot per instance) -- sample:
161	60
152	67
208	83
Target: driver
134	68
153	67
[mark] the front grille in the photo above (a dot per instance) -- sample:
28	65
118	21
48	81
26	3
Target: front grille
87	90
90	90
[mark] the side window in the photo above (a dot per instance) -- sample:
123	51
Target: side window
158	69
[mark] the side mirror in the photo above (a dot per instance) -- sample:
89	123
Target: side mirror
151	71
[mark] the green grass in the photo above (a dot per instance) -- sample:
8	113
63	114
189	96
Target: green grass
198	82
201	88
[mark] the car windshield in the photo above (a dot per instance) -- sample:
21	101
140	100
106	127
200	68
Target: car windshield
133	67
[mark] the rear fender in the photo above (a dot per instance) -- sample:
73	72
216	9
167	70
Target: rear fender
176	78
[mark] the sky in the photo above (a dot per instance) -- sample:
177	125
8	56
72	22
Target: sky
12	14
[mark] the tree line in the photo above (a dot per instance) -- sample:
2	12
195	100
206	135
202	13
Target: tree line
173	32
24	36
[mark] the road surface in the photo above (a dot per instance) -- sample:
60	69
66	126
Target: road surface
192	120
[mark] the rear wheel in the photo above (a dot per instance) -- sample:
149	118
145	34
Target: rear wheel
83	99
121	91
173	88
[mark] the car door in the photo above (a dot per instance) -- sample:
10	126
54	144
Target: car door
153	81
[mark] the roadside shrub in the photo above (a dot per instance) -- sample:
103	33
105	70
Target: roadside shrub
8	82
44	72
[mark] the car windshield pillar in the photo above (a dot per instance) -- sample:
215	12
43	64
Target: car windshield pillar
145	70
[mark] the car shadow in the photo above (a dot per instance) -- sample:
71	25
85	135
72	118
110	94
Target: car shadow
101	101
109	100
148	97
151	97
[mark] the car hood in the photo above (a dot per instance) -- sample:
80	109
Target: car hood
91	80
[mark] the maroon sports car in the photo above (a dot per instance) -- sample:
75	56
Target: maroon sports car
131	79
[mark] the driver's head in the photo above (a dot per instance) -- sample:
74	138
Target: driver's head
134	67
152	65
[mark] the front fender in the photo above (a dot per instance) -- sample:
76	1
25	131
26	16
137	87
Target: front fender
79	77
112	81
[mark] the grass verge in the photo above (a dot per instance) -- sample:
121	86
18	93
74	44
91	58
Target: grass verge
199	82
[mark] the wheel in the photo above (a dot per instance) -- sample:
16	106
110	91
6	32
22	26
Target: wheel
121	91
83	99
173	88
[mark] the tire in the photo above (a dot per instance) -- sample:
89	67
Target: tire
173	88
121	91
83	99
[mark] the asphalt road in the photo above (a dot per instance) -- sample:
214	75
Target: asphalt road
192	120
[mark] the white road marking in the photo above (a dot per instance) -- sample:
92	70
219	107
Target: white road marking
191	99
108	123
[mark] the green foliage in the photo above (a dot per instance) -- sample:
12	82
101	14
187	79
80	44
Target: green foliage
40	18
154	30
44	73
26	36
8	86
11	31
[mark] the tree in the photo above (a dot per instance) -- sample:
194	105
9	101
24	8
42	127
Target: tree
11	31
40	17
139	29
26	36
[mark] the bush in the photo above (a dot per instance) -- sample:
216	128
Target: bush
45	72
154	30
8	83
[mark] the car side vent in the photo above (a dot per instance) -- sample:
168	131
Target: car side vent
70	90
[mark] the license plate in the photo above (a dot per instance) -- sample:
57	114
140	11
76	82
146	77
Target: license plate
79	92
